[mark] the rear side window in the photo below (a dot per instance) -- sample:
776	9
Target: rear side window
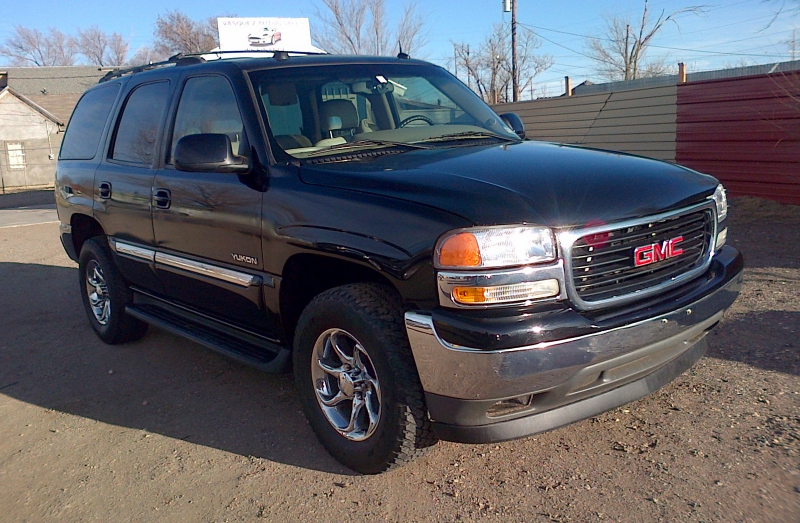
137	130
87	123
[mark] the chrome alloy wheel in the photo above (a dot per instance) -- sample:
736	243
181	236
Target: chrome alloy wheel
346	384
97	290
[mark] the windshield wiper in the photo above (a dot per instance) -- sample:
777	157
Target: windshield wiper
466	135
362	144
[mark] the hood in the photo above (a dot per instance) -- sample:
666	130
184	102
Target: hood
529	182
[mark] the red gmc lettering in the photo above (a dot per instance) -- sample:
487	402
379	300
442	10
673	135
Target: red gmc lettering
647	254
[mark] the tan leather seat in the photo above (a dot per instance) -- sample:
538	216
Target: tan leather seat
292	141
339	118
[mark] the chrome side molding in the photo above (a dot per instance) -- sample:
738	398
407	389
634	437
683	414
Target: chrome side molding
212	271
242	279
134	251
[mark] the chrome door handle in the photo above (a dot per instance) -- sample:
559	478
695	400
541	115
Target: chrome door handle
162	198
104	190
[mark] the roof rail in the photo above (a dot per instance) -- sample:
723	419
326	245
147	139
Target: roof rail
278	54
177	60
182	59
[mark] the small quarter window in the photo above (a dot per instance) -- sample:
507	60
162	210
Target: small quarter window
137	130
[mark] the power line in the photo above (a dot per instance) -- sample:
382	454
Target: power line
563	46
717	53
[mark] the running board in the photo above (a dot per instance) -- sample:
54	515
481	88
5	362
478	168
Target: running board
245	348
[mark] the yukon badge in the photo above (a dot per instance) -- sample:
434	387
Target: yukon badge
655	252
241	258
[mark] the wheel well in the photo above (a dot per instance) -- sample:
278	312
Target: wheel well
307	275
83	228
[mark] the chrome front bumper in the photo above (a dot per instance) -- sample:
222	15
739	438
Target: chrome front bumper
462	383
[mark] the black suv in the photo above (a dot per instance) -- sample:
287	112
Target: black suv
370	222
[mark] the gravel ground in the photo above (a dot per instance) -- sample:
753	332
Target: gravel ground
164	430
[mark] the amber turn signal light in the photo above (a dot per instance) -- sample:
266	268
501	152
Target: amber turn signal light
460	250
517	292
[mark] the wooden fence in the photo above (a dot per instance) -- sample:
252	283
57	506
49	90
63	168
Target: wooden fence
745	130
640	121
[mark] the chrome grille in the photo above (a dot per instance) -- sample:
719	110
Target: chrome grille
602	263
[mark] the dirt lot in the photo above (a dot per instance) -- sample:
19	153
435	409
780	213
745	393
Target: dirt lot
164	430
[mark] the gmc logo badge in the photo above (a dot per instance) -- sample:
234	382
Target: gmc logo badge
655	252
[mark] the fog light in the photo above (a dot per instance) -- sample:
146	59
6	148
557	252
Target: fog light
534	290
509	406
722	237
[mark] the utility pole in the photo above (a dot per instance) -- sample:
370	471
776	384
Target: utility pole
511	5
514	78
793	45
628	54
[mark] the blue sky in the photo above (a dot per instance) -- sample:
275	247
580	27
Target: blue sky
727	34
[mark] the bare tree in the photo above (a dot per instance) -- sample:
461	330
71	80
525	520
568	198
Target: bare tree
177	33
100	48
361	27
489	69
377	29
31	47
412	35
620	53
118	49
146	55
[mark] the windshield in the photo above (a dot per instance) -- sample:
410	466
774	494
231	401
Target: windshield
325	110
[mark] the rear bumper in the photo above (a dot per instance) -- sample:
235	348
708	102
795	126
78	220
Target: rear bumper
555	383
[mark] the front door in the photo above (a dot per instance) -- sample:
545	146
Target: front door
207	226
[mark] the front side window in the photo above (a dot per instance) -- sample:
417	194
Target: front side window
137	130
208	105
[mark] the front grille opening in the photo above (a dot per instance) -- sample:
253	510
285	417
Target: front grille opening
603	264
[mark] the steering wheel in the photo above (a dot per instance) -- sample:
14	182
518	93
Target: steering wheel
415	118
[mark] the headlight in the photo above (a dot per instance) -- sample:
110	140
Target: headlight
483	247
721	199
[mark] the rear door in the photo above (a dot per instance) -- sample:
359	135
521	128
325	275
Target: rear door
124	180
207	225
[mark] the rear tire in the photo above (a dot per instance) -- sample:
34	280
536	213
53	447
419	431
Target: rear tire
357	380
105	295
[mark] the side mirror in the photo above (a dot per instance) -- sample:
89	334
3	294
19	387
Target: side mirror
515	123
208	153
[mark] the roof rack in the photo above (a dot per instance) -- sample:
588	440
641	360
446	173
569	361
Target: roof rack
178	59
257	51
182	59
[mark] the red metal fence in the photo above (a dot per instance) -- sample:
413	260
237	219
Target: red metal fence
745	131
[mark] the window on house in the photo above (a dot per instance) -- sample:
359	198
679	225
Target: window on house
16	156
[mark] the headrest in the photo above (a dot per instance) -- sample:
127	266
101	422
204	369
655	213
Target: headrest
282	94
341	108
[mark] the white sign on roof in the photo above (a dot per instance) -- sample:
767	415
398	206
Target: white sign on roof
265	34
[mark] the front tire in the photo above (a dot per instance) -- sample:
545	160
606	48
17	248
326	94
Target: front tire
105	295
357	381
